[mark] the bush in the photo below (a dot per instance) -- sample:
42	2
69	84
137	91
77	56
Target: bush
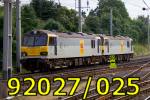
140	50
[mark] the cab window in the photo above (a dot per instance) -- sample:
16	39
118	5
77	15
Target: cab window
93	44
52	41
34	40
40	40
128	44
28	41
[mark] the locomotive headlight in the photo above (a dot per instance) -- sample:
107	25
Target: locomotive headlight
23	54
44	53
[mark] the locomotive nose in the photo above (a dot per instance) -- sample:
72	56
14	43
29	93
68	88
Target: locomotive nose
35	51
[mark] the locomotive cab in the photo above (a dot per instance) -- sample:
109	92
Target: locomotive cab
37	43
37	47
34	43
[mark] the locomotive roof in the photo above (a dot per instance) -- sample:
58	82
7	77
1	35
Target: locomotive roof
80	35
118	37
66	34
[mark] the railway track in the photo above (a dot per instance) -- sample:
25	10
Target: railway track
86	70
92	71
142	84
145	88
92	95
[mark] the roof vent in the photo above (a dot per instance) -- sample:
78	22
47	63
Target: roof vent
80	33
90	33
33	32
69	33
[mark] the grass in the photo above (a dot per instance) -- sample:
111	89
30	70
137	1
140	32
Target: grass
141	50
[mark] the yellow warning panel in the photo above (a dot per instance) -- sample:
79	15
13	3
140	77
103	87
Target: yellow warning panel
81	47
34	51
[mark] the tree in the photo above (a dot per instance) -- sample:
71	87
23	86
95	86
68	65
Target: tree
68	18
29	19
141	24
120	16
93	24
98	21
54	25
45	9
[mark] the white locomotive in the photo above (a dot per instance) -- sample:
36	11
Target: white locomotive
43	50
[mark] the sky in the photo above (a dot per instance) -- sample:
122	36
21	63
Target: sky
134	7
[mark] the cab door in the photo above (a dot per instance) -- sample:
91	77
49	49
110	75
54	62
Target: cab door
98	46
53	45
107	45
102	48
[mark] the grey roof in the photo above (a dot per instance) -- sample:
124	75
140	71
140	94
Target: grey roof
69	34
118	37
81	35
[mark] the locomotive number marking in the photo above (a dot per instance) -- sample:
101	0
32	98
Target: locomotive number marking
27	92
59	92
44	86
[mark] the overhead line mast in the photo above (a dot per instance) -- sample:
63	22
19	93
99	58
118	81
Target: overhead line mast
80	17
7	45
18	35
7	40
80	13
148	26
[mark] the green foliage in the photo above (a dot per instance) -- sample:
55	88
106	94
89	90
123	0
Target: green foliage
93	24
29	19
1	11
120	16
140	50
98	21
141	26
68	18
45	9
54	25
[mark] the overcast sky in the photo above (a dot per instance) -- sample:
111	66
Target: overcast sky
134	7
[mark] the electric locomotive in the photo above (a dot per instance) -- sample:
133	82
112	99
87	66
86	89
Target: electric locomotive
44	50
